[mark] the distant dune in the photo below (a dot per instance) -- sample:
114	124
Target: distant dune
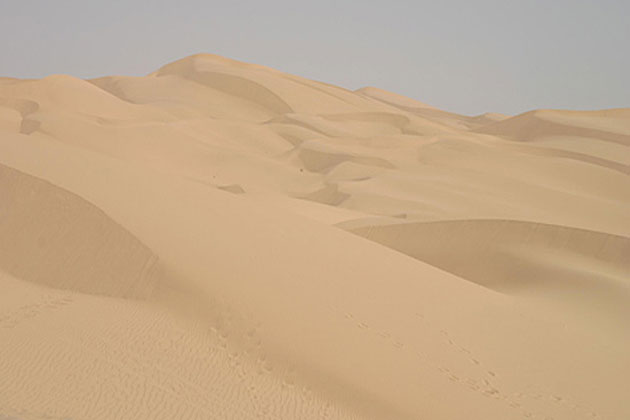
221	240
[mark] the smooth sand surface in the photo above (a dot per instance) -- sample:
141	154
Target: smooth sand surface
220	240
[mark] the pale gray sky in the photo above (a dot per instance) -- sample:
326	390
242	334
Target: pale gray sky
460	55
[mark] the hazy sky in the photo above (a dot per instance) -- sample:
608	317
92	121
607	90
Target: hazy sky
464	56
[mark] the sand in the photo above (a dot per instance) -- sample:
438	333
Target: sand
221	240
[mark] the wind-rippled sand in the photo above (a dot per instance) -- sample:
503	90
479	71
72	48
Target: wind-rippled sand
220	240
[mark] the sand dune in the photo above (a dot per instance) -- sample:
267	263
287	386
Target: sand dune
392	98
52	237
564	267
608	125
223	240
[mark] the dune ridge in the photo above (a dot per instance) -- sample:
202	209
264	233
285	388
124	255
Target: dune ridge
220	239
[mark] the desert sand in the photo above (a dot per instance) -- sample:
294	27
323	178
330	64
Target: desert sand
221	240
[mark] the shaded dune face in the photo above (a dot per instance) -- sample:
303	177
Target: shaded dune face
579	270
243	88
511	256
52	237
539	124
231	84
568	154
317	159
25	108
